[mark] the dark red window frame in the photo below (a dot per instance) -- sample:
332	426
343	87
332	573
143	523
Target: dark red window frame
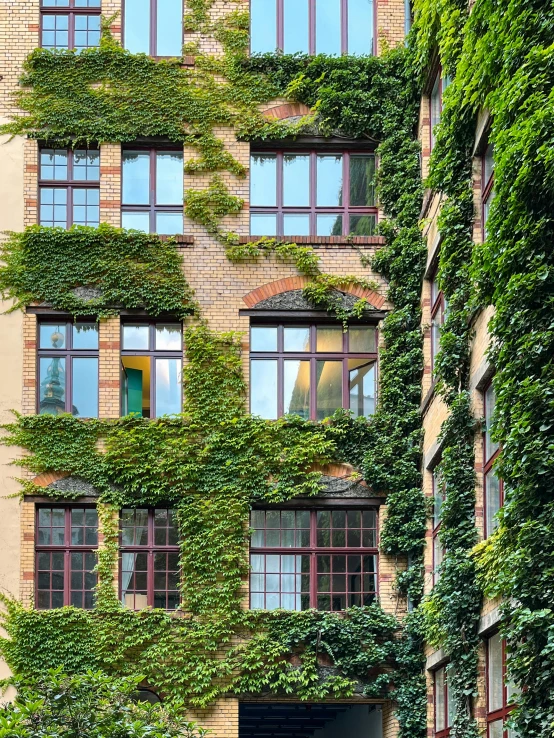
66	549
153	28
151	549
312	356
280	40
487	187
69	185
503	712
152	207
152	353
438	313
68	353
444	732
438	499
488	462
71	10
313	210
315	552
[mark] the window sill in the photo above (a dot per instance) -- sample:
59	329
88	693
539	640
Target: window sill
182	239
329	241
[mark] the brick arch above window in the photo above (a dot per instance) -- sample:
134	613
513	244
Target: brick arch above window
297	283
287	110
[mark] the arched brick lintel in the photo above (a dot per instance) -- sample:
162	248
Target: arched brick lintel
288	110
297	283
47	478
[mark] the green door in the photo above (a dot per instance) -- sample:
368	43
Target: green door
134	391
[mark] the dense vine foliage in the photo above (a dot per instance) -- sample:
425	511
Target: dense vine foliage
94	271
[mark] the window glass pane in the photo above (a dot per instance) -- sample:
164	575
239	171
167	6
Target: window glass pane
136	177
437	558
136	30
492	494
85	335
168	337
86	207
169	224
495	673
168	386
86	163
263	26
361	385
52	335
436	325
87	31
296	180
438	499
85	388
263	388
329	338
263	225
296	225
496	729
327	27
362	339
491	447
362	180
53	207
435	107
488	163
263	179
329	388
83	3
263	338
136	337
450	703
136	221
169	29
55	33
329	180
169	178
360	26
52	386
296	338
279	581
362	225
297	388
296	38
53	162
329	225
440	721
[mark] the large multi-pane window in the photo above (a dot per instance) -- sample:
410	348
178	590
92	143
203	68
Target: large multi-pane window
69	187
69	24
312	194
487	187
149	563
152	191
501	694
65	549
312	26
438	314
151	361
153	27
444	704
438	550
312	370
68	368
324	559
494	488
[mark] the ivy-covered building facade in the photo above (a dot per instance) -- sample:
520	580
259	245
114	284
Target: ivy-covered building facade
278	346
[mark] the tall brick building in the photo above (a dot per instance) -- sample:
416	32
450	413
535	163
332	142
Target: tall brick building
295	358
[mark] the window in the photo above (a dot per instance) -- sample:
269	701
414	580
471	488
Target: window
149	562
444	704
68	368
436	98
69	188
312	194
153	27
152	191
438	550
65	549
70	24
312	370
438	314
312	26
501	694
151	359
324	559
487	187
494	487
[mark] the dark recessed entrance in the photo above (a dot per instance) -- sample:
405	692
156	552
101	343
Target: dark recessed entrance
294	720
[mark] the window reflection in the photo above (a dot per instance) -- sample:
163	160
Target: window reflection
328	27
